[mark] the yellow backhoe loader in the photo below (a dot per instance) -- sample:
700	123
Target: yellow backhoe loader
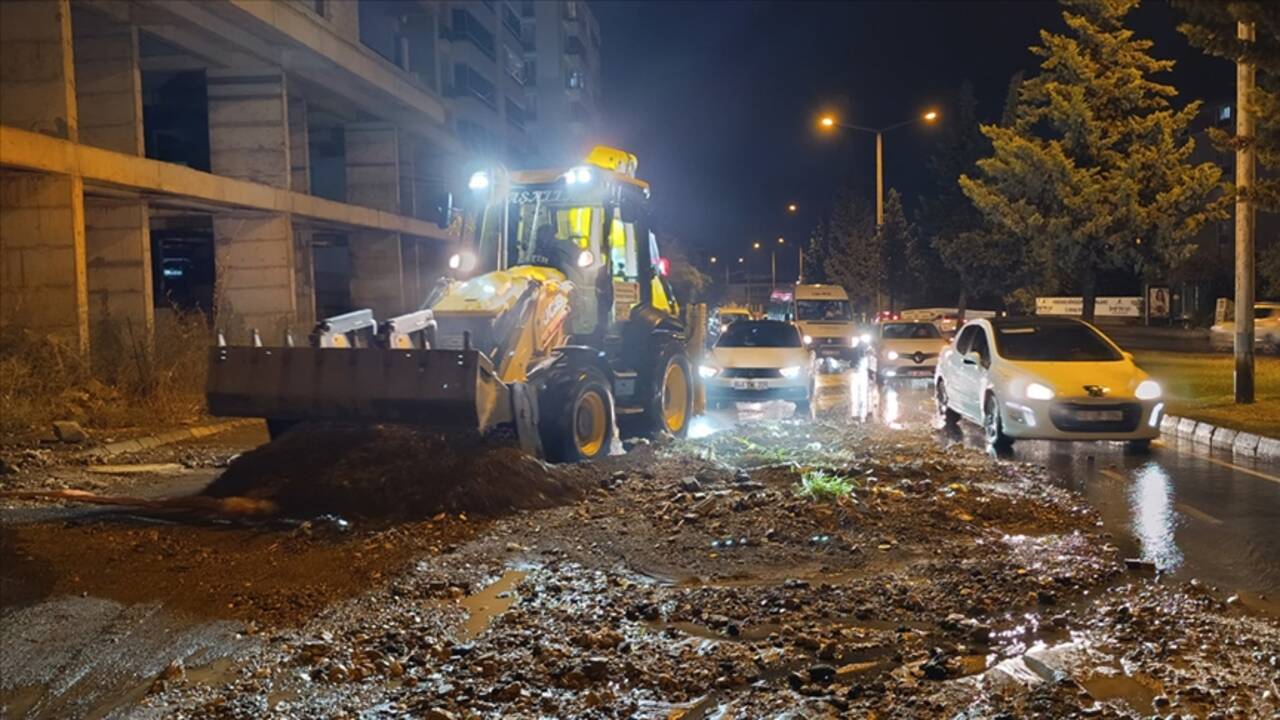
557	319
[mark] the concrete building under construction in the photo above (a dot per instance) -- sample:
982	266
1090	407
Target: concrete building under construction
265	161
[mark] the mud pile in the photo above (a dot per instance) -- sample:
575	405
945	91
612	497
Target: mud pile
393	472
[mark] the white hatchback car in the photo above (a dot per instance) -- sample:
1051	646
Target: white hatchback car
1046	378
1266	329
758	360
903	350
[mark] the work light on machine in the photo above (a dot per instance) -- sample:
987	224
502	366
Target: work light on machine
479	181
464	261
578	176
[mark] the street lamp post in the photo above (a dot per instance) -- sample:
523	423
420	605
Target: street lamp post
829	121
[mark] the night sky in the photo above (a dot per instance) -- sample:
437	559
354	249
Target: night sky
719	99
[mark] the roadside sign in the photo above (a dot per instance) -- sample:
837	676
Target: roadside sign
1102	306
1158	301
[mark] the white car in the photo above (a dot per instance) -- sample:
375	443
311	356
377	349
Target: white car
1046	378
1266	329
904	350
758	360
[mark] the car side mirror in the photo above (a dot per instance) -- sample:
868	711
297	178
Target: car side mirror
972	358
1127	355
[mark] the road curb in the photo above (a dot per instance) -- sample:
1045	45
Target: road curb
147	442
1240	443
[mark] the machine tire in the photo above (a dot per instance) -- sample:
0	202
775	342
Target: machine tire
993	425
950	418
1138	447
670	404
576	417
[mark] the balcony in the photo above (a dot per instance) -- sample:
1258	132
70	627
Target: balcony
573	46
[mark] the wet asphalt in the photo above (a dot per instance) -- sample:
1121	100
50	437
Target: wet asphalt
1191	512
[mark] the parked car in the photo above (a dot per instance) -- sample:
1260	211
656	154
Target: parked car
903	350
1047	378
757	360
1266	329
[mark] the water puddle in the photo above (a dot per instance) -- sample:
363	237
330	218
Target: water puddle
493	600
1106	684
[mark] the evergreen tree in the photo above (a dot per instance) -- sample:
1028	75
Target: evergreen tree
1211	26
853	258
895	242
1093	172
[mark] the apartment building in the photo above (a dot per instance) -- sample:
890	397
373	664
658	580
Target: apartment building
266	161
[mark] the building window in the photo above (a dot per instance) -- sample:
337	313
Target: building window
1224	113
513	63
576	80
465	25
530	72
466	81
571	10
526	9
530	107
510	20
573	46
515	114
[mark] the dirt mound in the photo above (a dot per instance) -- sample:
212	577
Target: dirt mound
393	472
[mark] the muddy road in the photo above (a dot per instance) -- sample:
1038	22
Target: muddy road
858	564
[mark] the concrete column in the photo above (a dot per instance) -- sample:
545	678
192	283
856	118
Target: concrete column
43	284
373	166
304	277
37	77
249	126
299	147
254	266
377	272
108	83
118	248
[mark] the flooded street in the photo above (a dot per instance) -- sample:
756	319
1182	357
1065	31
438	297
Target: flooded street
1191	512
860	562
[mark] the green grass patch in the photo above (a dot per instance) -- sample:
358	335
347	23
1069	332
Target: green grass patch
824	485
1202	386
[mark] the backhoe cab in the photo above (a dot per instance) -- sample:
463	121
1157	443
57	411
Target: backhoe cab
558	319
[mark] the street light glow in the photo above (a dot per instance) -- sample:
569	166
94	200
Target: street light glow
741	260
931	116
781	241
713	258
755	246
792	207
827	121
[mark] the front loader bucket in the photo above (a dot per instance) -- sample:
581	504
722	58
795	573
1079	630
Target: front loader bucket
445	389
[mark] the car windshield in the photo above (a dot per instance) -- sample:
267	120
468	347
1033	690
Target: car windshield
1066	342
909	331
760	334
835	310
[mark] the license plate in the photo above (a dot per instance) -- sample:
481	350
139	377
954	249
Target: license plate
1099	415
749	385
829	351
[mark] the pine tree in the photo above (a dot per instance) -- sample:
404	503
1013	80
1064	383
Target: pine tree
1211	26
895	241
853	258
1093	173
978	259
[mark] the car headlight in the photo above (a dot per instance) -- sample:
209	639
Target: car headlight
892	354
1147	390
791	373
866	338
1036	391
853	341
808	340
708	371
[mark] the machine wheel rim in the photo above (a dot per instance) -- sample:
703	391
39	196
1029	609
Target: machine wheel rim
675	398
589	424
991	421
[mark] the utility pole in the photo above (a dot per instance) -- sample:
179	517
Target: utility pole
879	179
1245	153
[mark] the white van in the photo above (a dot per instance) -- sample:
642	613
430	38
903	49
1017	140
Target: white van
825	318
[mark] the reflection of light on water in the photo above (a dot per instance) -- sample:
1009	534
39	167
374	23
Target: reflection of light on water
890	403
1151	498
859	403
